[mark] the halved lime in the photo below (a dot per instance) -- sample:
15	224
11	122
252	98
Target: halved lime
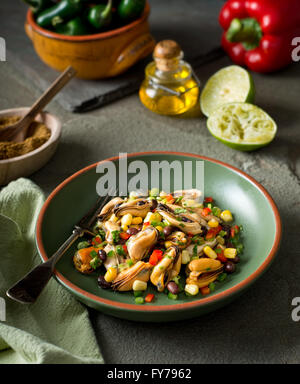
242	126
230	84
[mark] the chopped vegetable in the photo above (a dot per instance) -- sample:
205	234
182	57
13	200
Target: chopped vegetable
139	285
172	296
111	274
191	289
206	211
210	252
139	300
205	291
149	298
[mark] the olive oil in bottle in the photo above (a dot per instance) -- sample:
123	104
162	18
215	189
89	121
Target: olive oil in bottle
169	87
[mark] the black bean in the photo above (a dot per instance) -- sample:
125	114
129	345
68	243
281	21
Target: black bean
173	287
236	259
142	202
204	231
226	228
103	283
229	267
132	231
154	204
168	230
102	254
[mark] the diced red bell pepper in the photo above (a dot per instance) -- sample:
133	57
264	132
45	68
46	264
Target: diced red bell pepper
149	298
206	211
96	240
124	235
205	291
146	223
234	230
170	199
208	200
124	246
156	256
221	257
212	232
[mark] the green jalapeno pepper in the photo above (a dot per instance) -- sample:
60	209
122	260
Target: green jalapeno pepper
129	10
74	27
100	16
38	5
63	11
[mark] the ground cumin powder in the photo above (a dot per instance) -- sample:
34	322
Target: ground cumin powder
37	135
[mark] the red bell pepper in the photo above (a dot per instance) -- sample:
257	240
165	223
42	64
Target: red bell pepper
259	33
156	256
149	298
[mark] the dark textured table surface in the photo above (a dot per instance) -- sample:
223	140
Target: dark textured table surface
258	326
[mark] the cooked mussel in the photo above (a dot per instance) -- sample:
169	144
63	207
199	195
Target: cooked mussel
110	227
108	208
82	260
138	245
178	238
167	268
183	221
203	271
138	207
125	279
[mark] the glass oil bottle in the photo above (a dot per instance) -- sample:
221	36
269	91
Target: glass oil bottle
170	87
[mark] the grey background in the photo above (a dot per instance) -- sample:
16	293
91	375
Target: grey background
257	328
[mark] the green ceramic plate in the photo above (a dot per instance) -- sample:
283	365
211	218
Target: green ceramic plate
232	189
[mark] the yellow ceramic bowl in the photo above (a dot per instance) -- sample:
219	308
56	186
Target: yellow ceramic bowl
95	56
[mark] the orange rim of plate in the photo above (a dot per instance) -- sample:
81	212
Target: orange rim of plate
174	307
96	36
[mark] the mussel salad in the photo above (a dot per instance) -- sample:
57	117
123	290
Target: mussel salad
170	241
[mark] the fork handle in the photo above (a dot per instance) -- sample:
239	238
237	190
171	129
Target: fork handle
28	289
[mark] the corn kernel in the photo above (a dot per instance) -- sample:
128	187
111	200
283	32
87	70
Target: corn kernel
149	217
168	244
213	223
226	215
185	257
139	285
126	219
210	252
159	228
111	274
124	228
137	220
192	289
230	253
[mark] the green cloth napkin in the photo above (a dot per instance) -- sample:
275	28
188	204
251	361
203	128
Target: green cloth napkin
55	329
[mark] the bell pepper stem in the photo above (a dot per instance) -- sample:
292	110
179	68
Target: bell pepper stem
246	31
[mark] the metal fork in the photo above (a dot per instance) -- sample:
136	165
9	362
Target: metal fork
28	289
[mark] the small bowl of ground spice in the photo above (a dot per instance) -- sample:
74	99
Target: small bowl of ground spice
18	159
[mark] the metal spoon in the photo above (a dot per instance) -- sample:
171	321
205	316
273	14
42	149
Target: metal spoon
17	132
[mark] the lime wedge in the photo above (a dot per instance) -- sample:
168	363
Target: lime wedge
242	126
230	84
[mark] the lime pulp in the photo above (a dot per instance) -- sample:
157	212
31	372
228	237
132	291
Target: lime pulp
242	126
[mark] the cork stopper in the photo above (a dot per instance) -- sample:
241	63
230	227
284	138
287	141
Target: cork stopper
167	54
